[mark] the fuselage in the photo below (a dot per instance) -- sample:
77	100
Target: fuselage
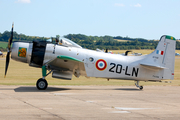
96	64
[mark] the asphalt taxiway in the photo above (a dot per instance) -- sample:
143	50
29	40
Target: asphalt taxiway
90	102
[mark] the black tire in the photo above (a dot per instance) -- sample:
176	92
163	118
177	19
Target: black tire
41	84
141	87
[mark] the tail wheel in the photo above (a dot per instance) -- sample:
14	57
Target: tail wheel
137	85
41	84
141	87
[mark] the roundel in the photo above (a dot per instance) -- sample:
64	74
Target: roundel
101	64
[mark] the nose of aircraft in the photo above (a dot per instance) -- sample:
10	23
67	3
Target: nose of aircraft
19	51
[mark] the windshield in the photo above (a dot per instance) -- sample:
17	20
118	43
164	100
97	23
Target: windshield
65	41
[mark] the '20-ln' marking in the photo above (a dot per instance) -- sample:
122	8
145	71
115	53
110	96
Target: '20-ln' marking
118	69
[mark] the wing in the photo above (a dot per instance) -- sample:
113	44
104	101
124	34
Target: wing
64	66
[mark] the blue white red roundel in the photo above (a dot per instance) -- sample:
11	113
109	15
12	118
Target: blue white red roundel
101	64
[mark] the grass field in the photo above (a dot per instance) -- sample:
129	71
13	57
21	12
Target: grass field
21	74
3	44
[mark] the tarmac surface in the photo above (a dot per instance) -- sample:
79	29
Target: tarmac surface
90	102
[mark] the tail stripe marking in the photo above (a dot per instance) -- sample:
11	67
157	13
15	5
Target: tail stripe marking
159	52
170	37
162	52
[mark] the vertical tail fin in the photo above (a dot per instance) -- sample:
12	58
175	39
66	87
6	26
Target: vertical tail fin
169	57
163	57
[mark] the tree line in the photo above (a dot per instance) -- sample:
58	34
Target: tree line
18	37
109	42
94	42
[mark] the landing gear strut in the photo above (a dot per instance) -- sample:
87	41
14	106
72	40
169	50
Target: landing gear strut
137	85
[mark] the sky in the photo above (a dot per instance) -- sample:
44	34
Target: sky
149	19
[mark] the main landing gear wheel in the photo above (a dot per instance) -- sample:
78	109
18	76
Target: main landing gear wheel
41	84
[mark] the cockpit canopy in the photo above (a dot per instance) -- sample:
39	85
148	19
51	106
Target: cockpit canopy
65	42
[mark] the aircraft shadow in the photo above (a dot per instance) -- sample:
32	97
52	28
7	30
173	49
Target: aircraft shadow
52	89
125	89
34	89
128	89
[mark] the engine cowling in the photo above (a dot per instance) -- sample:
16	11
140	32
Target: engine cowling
21	51
29	52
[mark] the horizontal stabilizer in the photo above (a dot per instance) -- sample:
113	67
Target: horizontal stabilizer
152	66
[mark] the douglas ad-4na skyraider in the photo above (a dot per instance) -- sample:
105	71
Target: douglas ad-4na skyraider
65	58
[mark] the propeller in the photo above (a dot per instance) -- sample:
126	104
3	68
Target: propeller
9	50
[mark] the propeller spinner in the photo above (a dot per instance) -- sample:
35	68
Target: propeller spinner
9	50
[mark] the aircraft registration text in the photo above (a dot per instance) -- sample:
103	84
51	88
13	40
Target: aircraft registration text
118	68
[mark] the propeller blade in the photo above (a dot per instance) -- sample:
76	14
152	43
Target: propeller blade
7	63
9	50
10	39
